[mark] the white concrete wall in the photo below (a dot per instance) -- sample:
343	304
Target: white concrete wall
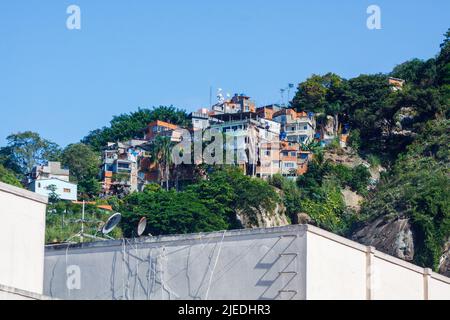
336	267
22	238
438	287
390	277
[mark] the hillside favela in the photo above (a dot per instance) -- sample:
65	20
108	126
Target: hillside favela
258	184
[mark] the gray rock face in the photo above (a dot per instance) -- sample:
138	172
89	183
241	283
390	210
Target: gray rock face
444	264
276	218
392	236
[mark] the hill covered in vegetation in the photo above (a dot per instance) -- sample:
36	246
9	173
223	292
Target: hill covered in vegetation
398	164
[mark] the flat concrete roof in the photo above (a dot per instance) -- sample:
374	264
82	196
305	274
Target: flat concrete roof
23	193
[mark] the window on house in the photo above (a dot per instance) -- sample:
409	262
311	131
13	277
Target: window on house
66	190
289	165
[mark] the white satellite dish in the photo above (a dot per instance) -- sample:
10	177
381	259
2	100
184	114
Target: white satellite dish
112	222
141	226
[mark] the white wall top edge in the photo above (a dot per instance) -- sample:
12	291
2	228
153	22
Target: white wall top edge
295	229
378	254
23	293
23	193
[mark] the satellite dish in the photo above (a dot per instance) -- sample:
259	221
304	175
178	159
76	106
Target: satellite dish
141	226
112	222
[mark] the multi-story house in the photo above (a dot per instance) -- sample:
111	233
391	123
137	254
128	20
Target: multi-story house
396	83
239	103
296	127
254	141
267	112
52	178
119	171
293	160
160	128
201	119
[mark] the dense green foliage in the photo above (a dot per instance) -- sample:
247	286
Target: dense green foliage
63	222
207	205
321	170
132	125
84	166
8	176
405	130
418	188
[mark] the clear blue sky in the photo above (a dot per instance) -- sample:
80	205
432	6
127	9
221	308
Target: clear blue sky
140	53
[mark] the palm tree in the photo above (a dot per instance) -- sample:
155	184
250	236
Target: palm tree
161	150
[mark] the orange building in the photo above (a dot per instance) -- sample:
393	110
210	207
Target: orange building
158	128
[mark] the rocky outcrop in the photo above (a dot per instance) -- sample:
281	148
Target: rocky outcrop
264	219
444	263
352	199
345	156
390	235
303	218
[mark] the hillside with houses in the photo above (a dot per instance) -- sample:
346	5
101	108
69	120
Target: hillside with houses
365	157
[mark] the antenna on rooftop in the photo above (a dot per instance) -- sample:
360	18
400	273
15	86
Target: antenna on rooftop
282	96
107	227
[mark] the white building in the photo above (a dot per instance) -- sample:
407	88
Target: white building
297	127
43	178
65	190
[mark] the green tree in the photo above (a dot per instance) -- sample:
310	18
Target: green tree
132	125
84	165
291	195
53	197
161	151
320	94
417	72
169	212
418	188
27	149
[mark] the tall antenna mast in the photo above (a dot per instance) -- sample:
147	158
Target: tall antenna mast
210	96
282	96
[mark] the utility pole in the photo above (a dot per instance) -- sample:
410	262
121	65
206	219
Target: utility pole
82	223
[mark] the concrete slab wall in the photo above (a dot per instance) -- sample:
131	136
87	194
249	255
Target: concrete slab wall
293	262
22	238
245	264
